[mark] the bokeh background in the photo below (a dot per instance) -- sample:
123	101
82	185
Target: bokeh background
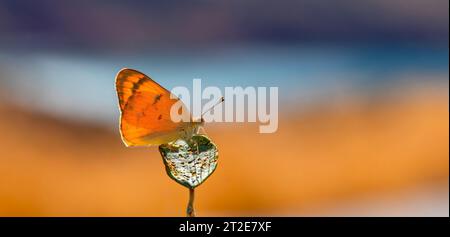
364	106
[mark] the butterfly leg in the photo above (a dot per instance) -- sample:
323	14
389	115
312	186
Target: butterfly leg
198	149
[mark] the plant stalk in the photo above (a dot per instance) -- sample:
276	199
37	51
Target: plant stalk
190	212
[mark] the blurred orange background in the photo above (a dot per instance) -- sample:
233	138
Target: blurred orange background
363	122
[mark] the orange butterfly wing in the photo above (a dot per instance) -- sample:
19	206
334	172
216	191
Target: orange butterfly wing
145	111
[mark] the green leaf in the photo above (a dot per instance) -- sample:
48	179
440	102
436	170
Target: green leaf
190	162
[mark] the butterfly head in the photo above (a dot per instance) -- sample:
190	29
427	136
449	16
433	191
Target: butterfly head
198	123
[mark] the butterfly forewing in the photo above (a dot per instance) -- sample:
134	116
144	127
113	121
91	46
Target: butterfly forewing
145	110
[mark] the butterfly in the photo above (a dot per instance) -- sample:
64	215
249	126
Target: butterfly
145	111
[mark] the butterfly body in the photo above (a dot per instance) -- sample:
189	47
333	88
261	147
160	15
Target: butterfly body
145	111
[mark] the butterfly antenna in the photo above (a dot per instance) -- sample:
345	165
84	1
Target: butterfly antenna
222	99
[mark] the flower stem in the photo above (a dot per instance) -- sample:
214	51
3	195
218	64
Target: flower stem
190	208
